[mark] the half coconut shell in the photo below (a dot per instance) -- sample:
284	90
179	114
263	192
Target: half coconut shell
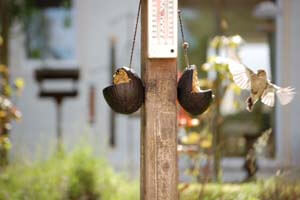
126	95
194	100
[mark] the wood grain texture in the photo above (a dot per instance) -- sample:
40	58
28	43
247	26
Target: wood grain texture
159	171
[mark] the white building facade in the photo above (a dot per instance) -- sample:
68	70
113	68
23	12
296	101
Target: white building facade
96	21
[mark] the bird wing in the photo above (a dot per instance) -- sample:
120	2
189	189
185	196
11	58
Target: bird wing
285	95
241	74
268	97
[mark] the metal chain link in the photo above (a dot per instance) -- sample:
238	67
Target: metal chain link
135	31
185	45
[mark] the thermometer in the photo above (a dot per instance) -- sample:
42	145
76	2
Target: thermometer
162	28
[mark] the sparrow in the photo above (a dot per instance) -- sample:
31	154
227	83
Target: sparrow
259	85
120	76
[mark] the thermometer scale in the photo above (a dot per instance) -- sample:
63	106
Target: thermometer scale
162	28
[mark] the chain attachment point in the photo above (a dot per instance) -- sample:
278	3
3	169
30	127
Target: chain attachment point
185	45
135	31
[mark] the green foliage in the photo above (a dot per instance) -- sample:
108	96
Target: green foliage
272	189
247	191
78	175
280	189
8	111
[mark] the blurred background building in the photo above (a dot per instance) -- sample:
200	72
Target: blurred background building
86	43
81	36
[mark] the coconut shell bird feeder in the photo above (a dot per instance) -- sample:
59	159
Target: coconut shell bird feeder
126	94
194	100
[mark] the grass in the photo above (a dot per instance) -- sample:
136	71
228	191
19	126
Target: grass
81	176
247	191
78	175
272	189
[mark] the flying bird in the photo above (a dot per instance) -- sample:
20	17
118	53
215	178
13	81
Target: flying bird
259	85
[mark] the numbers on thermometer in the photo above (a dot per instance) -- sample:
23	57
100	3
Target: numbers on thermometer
162	27
162	18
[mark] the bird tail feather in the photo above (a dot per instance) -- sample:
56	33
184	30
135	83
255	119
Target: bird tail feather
285	95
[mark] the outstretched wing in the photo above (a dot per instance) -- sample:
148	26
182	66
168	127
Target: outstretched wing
285	95
268	97
241	74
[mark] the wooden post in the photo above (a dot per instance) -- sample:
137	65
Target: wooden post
159	171
59	137
112	115
217	118
4	58
5	26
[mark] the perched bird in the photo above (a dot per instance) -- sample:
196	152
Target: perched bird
120	76
259	85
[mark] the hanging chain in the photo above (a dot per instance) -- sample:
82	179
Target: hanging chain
134	36
185	45
181	25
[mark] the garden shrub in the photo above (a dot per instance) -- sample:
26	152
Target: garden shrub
76	176
270	189
81	176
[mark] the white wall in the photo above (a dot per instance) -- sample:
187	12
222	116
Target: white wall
95	21
288	72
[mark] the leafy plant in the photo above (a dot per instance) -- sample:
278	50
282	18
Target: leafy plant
8	111
78	175
272	189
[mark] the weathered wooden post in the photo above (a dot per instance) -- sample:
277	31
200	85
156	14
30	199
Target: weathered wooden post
159	174
112	115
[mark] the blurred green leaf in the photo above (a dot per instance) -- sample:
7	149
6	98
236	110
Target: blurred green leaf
75	176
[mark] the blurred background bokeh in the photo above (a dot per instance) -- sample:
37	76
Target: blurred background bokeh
89	39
